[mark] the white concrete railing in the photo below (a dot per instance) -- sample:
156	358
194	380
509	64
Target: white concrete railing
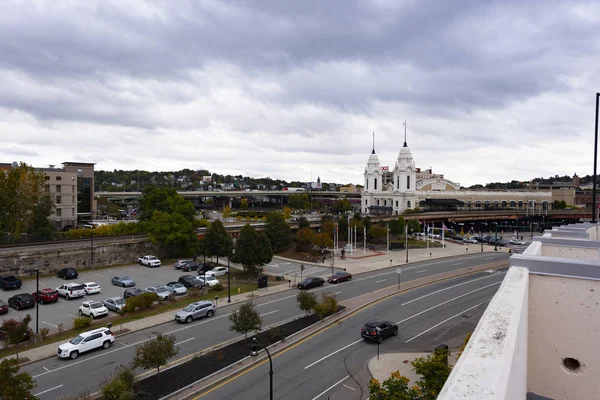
494	363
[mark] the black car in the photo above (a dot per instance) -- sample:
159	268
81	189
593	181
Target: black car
190	281
67	273
132	292
378	330
341	276
190	266
21	300
311	282
10	282
205	267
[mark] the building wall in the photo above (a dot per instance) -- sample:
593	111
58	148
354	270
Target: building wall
63	187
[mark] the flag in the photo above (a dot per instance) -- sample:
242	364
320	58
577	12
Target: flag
444	226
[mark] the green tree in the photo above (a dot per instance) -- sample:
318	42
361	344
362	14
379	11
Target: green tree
245	319
434	371
377	232
343	227
252	249
244	204
306	301
15	385
327	306
287	212
304	239
155	352
342	205
394	388
367	222
226	212
119	386
173	232
278	231
303	223
25	203
298	201
413	226
322	240
16	331
217	241
166	200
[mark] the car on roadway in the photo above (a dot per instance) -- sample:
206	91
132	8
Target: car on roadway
91	288
176	288
93	309
218	271
46	295
517	241
311	282
196	310
341	276
3	307
180	263
161	291
71	290
190	281
132	292
470	240
67	273
497	242
208	280
21	300
122	280
86	341
115	304
10	282
149	261
378	330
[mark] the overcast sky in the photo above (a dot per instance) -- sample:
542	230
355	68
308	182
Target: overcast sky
492	90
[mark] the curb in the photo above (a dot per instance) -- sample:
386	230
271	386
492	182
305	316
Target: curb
347	313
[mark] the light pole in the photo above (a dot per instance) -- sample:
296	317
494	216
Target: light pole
595	161
496	240
254	353
481	239
406	240
37	301
92	249
229	278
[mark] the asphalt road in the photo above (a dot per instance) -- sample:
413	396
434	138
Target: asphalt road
57	377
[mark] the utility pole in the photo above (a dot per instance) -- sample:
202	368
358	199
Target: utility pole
406	240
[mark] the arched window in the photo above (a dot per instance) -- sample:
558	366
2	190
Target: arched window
408	204
513	204
398	182
520	204
375	186
408	182
504	203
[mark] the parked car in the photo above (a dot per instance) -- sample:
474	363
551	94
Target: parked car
470	240
517	241
10	282
3	307
196	310
149	261
180	263
161	291
86	341
21	300
132	292
122	280
114	303
218	271
67	273
497	242
190	266
91	288
378	330
341	276
205	267
45	296
71	290
93	309
208	280
311	282
190	281
176	288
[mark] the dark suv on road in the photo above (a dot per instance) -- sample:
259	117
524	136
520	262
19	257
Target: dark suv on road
378	330
311	282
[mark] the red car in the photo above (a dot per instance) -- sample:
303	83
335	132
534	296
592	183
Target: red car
3	307
341	276
45	296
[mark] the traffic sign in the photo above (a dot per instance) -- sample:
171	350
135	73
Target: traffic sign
398	271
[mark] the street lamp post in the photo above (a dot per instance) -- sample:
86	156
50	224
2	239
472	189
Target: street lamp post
496	239
595	161
406	240
481	239
92	249
229	278
254	353
37	303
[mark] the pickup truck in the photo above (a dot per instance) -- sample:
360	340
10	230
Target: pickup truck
149	261
10	282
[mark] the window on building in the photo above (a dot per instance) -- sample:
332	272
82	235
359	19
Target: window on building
408	204
377	202
398	184
520	204
367	185
59	178
72	199
59	212
408	182
385	203
58	200
396	203
375	186
47	178
366	202
57	188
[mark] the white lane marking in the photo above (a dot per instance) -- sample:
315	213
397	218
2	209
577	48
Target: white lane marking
46	368
488	258
420	272
455	264
183	341
449	287
444	321
48	323
382	280
349	387
46	391
331	387
446	302
337	292
335	352
270	312
72	316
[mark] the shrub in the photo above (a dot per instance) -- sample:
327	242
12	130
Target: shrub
276	334
147	299
132	303
327	306
60	327
44	332
218	287
81	323
306	301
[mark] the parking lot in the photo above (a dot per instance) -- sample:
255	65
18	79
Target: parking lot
64	311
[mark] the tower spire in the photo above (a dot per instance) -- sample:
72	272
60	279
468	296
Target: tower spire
373	152
404	123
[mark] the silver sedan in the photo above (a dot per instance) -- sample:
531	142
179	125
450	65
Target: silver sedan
114	303
176	288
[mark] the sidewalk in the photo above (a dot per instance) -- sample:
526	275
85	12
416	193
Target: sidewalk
391	362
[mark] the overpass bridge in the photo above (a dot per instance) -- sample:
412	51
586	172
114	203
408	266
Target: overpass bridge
231	193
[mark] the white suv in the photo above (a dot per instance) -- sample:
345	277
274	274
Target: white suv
71	290
86	341
93	309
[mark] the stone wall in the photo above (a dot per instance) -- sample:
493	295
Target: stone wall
50	257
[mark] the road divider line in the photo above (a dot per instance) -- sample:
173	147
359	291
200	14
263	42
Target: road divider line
349	387
331	387
48	323
183	341
449	287
48	390
338	293
383	280
446	320
446	302
455	264
270	312
331	354
420	272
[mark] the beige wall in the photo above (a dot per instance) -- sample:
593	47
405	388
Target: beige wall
63	187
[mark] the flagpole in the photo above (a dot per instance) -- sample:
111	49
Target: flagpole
427	237
364	239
